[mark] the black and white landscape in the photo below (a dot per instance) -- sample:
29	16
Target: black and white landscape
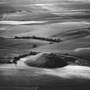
44	44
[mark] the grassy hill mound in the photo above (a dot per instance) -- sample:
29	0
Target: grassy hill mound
46	60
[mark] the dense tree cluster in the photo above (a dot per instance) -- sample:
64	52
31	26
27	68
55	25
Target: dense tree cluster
15	59
39	38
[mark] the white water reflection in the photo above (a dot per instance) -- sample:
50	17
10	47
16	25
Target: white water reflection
21	22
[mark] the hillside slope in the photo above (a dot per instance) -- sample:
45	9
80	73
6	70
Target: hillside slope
42	30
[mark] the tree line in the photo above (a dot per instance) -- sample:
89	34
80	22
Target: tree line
39	38
15	59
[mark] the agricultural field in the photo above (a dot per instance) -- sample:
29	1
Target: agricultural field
44	44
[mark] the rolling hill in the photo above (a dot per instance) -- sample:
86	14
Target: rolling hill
43	30
73	34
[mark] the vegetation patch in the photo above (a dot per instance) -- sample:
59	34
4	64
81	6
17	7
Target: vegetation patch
15	59
39	38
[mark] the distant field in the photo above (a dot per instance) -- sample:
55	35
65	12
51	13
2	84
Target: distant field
75	33
3	28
